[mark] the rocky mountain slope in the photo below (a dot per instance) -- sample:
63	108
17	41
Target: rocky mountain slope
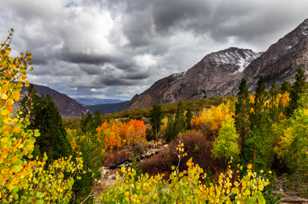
66	105
219	73
214	75
282	59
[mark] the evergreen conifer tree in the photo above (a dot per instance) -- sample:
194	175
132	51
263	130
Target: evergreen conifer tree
156	116
179	122
296	90
188	118
242	108
45	117
285	87
274	108
176	123
170	130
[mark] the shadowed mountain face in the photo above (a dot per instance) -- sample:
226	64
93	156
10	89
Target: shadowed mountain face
282	59
219	73
66	105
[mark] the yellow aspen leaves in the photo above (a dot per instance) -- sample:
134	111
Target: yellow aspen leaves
188	186
22	178
213	117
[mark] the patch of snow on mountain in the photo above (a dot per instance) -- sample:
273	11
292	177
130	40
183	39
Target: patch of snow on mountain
240	58
242	64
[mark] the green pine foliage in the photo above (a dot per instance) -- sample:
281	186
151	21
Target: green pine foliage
188	118
176	123
170	130
45	117
242	108
156	116
285	87
296	90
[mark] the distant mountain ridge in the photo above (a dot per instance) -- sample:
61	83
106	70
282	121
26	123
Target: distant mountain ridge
96	101
109	107
67	106
219	73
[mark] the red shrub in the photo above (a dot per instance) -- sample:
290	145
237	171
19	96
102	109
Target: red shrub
197	146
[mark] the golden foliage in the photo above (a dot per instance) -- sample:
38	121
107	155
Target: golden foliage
189	186
22	178
213	117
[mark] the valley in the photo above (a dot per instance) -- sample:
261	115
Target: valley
233	128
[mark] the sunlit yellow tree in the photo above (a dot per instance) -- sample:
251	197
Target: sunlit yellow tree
24	179
226	144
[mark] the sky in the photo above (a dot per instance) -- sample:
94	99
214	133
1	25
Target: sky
119	48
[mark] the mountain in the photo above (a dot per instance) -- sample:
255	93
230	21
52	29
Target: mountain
109	107
282	59
214	75
66	105
219	73
96	101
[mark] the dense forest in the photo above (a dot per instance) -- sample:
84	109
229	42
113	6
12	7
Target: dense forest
240	149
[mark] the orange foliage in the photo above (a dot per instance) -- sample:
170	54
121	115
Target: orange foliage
284	99
117	134
213	117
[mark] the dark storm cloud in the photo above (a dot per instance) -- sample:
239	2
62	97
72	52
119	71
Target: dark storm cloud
86	58
251	21
117	48
117	82
137	76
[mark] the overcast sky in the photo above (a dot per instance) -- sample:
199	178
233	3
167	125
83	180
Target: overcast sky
117	48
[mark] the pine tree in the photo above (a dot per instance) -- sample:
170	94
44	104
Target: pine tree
188	118
296	90
285	87
258	147
176	123
45	117
156	116
170	130
242	106
274	108
179	118
258	107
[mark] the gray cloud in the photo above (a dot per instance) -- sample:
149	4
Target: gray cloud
115	49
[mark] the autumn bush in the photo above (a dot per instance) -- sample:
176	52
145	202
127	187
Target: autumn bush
188	186
117	134
197	146
211	119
